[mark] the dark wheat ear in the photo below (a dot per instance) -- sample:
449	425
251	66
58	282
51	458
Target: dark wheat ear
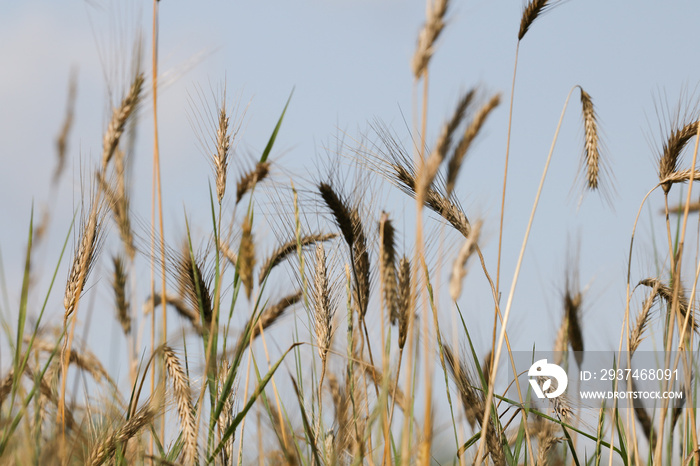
533	9
246	257
387	255
348	219
121	302
404	299
248	180
194	287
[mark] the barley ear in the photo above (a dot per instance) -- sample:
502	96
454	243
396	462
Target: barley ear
119	286
458	269
117	123
387	255
246	256
434	24
181	391
223	146
323	311
591	147
530	14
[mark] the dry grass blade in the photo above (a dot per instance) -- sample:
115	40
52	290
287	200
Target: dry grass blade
118	121
286	249
119	287
532	11
323	308
434	24
444	141
459	270
404	298
184	405
250	179
247	257
470	133
194	287
223	146
591	146
670	154
104	450
665	292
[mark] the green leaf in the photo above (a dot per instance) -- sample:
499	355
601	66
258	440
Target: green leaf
271	142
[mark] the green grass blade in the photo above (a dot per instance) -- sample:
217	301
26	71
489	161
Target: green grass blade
254	396
271	142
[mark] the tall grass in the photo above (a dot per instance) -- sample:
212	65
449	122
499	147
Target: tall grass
349	362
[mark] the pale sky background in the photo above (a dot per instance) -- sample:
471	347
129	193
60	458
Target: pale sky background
349	62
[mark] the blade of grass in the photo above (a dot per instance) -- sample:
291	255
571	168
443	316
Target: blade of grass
271	142
254	396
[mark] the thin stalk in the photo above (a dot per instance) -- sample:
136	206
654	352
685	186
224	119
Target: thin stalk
509	303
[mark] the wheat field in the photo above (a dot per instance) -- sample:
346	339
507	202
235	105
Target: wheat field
187	287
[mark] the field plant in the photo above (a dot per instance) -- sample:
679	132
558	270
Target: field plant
328	345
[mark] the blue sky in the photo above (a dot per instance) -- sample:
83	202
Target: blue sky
349	63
